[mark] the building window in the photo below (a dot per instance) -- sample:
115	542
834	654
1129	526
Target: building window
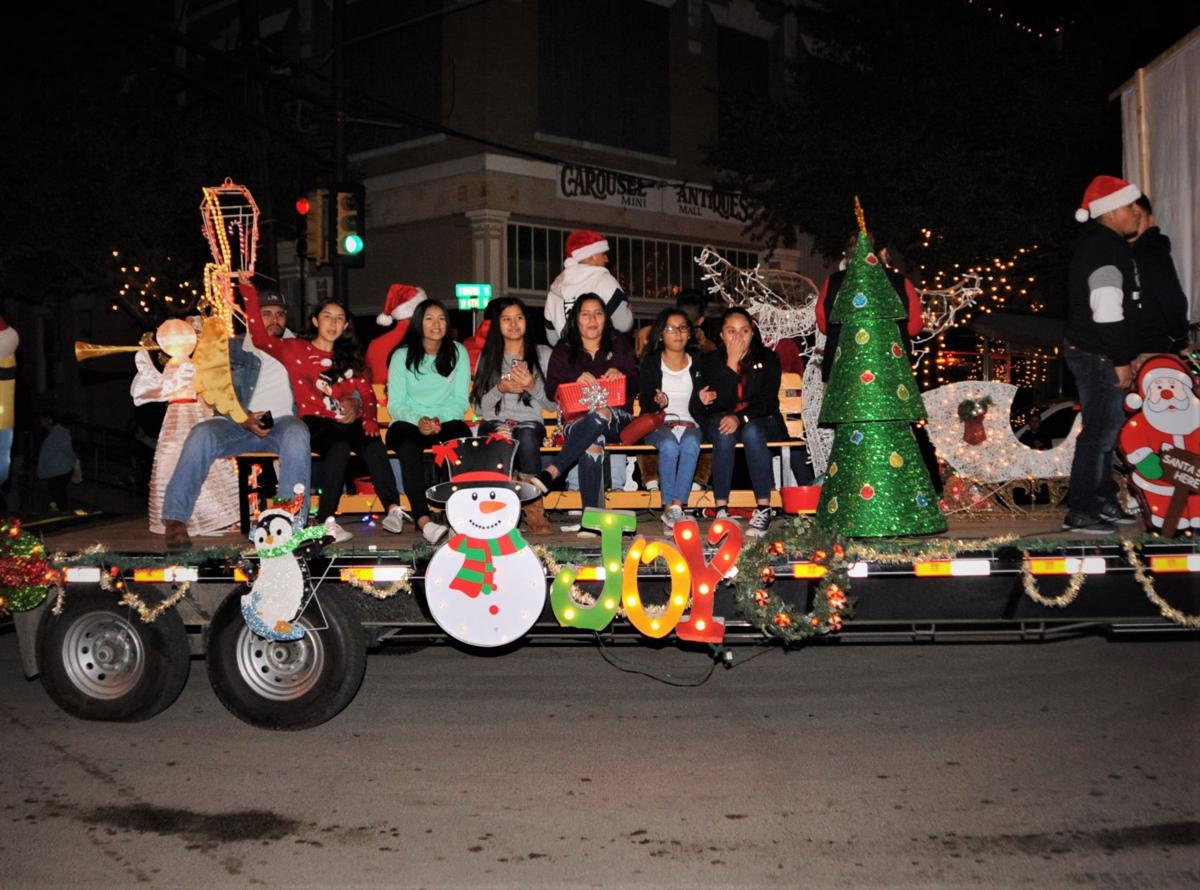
742	77
593	55
645	267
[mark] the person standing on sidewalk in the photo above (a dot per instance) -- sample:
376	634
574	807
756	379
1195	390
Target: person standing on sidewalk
1101	342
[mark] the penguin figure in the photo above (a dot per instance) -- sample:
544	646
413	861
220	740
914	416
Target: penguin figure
281	587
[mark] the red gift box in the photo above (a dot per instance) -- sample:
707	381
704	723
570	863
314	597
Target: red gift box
570	396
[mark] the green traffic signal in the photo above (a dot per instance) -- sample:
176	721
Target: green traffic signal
352	244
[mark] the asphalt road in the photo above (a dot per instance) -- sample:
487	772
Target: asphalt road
1072	764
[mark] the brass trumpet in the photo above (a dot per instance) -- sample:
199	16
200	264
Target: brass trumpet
85	351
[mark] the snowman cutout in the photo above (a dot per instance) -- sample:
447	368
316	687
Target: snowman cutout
281	587
485	586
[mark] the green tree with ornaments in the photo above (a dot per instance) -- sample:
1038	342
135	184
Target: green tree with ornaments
876	485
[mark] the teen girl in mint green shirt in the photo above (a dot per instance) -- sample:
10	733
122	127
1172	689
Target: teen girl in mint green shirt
429	377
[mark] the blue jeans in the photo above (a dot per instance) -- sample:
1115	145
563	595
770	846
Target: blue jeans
754	437
676	462
529	436
1092	485
6	440
220	437
581	434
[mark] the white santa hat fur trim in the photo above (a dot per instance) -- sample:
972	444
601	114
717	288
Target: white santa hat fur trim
402	301
1105	193
584	243
1155	368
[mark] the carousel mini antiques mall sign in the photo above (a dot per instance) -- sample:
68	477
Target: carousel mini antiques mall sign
632	192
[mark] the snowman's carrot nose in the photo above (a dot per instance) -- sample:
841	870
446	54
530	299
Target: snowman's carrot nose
490	506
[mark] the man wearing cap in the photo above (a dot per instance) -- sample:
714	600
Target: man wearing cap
262	385
1101	343
585	271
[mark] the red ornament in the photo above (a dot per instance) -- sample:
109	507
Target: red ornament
783	619
14	530
768	575
819	556
866	377
896	350
814	621
114	571
866	492
778	548
872	259
761	598
839	551
835	623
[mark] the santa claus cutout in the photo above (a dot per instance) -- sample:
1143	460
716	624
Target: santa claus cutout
1168	417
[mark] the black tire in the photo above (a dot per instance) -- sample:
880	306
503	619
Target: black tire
100	661
287	686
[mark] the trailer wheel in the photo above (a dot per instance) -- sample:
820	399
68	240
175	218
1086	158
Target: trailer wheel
287	686
98	661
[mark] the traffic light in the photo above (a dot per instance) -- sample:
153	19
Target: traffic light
316	226
349	225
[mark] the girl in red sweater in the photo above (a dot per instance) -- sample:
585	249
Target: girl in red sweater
333	394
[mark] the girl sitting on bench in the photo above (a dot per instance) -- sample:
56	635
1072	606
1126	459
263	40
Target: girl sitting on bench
745	376
670	381
509	392
428	380
333	396
588	352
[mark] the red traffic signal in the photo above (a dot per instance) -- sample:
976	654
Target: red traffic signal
303	206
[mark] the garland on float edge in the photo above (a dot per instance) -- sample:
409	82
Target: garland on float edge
799	540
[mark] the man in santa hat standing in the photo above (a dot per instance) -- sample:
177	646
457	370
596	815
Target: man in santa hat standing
8	393
1101	343
585	271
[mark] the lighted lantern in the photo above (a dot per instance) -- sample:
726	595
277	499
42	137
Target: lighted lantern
230	218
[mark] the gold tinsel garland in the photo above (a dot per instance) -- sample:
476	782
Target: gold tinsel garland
380	593
1034	592
582	597
937	549
149	613
1166	609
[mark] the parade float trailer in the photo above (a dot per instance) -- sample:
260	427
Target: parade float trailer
116	640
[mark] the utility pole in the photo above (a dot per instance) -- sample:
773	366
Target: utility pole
341	277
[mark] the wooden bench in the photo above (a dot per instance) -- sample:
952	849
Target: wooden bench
791	403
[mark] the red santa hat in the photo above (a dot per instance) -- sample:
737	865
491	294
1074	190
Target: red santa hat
1105	193
402	300
1159	366
583	243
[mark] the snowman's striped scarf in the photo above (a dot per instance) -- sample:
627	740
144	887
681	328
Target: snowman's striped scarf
478	572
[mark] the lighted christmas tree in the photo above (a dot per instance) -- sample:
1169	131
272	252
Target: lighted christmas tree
876	485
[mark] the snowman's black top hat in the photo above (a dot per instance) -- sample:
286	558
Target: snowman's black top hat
478	463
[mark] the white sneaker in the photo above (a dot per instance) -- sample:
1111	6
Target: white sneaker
670	516
335	531
435	532
652	485
760	522
394	521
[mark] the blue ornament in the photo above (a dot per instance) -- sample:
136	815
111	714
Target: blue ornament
856	437
859	301
922	501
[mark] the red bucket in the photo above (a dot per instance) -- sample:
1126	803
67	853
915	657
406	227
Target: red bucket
364	486
800	498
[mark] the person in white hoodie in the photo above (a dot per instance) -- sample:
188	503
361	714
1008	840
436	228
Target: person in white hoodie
585	271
